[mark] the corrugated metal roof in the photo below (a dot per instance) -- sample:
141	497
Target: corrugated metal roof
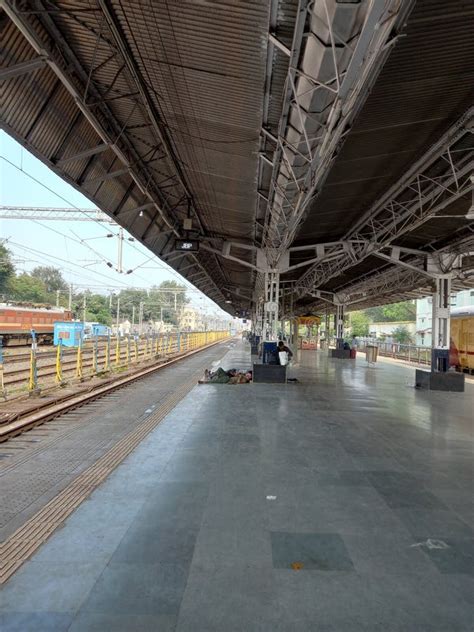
426	84
178	88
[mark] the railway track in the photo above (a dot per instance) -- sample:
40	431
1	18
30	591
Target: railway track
17	367
47	372
15	423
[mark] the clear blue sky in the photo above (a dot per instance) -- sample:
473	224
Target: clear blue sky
58	243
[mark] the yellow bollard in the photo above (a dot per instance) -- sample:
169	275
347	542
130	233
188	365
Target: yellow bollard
79	362
117	351
59	369
32	383
107	355
127	352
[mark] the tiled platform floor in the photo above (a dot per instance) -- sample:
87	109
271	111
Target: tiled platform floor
309	506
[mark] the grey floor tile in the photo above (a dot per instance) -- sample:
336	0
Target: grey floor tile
221	598
341	600
185	467
35	621
154	543
98	622
233	546
49	587
457	557
76	544
124	588
436	524
310	551
386	554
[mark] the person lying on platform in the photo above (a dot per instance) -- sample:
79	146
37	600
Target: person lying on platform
241	378
226	377
219	377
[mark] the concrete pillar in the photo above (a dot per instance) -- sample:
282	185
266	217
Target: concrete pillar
339	324
441	324
272	290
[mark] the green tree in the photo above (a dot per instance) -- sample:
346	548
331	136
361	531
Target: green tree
402	335
97	308
406	310
359	323
51	277
168	299
25	287
7	269
395	312
129	299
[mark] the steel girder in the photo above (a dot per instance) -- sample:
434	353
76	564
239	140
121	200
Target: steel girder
418	196
308	141
63	214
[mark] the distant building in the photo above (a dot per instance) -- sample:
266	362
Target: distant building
159	326
385	329
190	319
424	308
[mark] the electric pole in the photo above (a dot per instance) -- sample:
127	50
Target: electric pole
133	317
84	302
118	313
70	297
57	298
120	251
140	318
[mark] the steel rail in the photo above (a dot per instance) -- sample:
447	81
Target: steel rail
46	412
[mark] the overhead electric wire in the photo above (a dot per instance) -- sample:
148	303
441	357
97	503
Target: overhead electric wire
159	264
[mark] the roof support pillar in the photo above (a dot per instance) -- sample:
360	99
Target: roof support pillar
272	295
339	324
441	324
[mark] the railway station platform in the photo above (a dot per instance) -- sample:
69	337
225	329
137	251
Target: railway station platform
341	503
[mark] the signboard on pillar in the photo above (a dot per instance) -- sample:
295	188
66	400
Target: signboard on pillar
271	307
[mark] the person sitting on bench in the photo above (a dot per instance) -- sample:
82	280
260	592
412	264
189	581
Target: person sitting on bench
282	348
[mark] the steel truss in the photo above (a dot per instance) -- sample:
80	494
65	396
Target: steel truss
61	214
154	182
317	110
401	283
417	197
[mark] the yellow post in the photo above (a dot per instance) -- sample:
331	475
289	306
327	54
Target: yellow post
127	351
117	350
79	361
107	355
32	380
59	369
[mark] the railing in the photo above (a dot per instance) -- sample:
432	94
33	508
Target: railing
398	351
34	369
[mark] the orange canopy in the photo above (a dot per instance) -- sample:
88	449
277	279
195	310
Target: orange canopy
309	320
